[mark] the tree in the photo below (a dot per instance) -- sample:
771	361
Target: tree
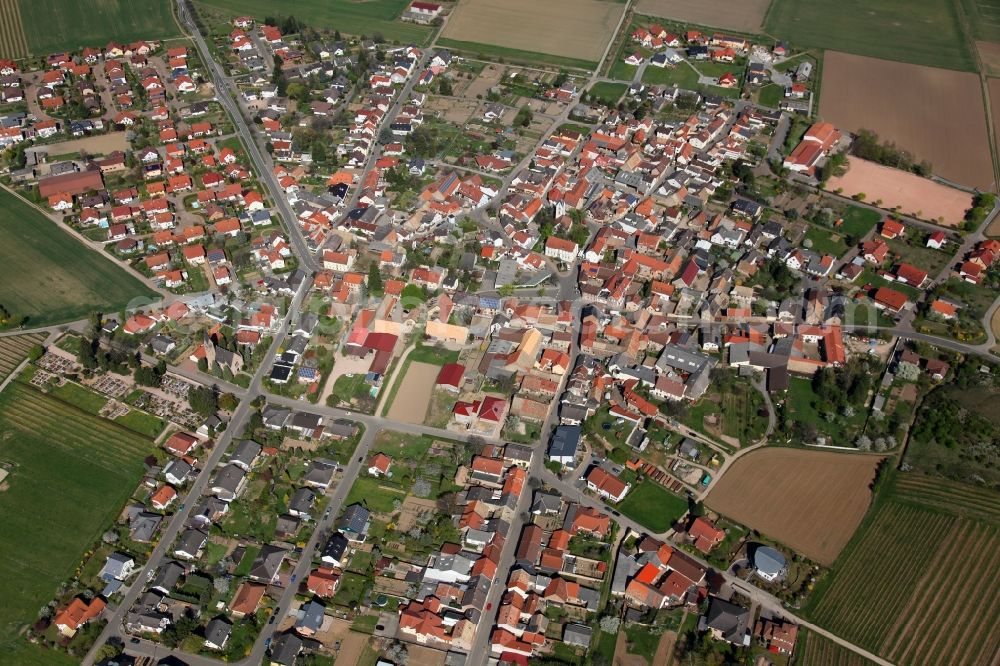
375	285
203	400
610	624
228	402
444	86
145	376
507	290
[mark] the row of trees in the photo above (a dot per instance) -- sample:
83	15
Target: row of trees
868	146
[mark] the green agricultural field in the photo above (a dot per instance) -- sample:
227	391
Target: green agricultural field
70	475
608	93
923	32
49	277
14	349
52	25
984	19
354	18
812	648
516	55
653	506
923	536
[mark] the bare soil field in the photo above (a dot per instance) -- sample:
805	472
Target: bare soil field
936	114
743	15
489	77
101	144
570	28
414	395
811	500
905	192
13	43
455	111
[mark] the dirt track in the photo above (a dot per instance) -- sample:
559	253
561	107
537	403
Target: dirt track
936	114
811	500
570	28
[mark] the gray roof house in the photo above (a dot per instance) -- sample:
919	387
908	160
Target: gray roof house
217	633
267	565
177	472
275	418
334	549
118	566
320	473
245	454
143	527
577	634
564	444
726	621
310	618
354	522
229	483
190	544
301	503
285	648
167	576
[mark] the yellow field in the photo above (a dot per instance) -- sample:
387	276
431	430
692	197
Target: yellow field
570	28
12	41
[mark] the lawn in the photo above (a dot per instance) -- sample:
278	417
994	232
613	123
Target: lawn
53	25
70	475
857	221
681	74
653	506
370	492
80	397
803	405
771	95
912	249
516	55
141	422
47	276
355	18
826	241
607	92
923	32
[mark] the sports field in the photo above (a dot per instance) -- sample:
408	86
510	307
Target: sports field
353	18
915	586
579	29
903	192
49	276
810	500
53	25
70	475
891	98
925	32
742	15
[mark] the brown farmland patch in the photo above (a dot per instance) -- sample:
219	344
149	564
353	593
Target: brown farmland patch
903	192
810	500
936	114
569	28
745	15
414	395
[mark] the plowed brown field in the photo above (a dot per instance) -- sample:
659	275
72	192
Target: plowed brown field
810	500
571	28
744	15
936	114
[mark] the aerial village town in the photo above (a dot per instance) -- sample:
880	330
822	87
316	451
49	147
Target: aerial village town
446	355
